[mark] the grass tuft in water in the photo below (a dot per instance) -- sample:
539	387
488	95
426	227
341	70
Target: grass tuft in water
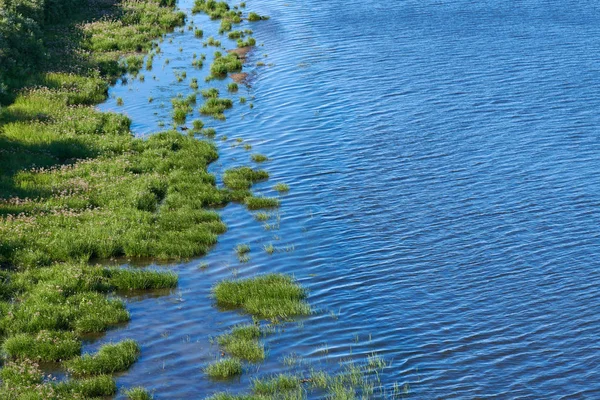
224	368
242	178
258	158
272	296
232	87
242	343
281	187
257	203
109	359
137	393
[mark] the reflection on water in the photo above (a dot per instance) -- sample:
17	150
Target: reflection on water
443	165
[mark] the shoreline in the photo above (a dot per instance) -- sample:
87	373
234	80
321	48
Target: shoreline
165	172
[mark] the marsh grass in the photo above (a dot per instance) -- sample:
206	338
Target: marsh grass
259	158
109	359
199	33
241	178
222	65
215	107
232	87
257	203
272	296
137	393
242	342
262	216
224	368
42	346
242	249
281	187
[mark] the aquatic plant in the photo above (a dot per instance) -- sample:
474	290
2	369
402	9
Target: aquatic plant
137	393
109	359
215	107
269	296
199	33
242	343
256	203
222	65
241	178
208	93
224	368
258	158
232	87
281	187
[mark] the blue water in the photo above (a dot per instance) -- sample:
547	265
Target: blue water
443	159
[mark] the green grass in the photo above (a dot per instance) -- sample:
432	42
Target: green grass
252	16
242	178
272	296
257	203
242	249
199	33
137	393
258	158
109	359
232	87
222	65
281	187
277	385
262	216
215	107
42	346
246	43
242	343
269	248
224	368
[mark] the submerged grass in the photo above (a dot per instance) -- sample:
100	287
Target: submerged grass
242	343
224	368
109	359
272	296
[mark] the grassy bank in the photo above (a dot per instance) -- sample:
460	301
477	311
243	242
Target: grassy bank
76	187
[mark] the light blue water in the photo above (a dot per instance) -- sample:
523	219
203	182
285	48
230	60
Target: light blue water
443	158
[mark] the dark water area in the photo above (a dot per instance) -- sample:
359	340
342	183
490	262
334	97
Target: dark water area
443	159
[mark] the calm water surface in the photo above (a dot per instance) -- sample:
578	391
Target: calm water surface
443	159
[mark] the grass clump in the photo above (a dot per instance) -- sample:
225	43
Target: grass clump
281	187
269	296
257	203
246	43
224	368
199	33
252	16
215	107
277	385
42	346
109	359
210	93
258	158
137	393
242	249
242	178
222	65
232	87
242	343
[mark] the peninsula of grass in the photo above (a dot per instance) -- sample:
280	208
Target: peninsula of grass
242	343
109	359
137	393
224	368
242	178
272	296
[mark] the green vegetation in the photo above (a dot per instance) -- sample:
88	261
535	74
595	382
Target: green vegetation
215	107
352	382
138	393
42	346
208	93
256	203
246	43
272	296
109	359
242	343
224	368
199	33
232	87
242	249
242	178
222	65
281	187
252	16
258	158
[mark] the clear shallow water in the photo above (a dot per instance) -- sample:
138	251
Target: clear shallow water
444	173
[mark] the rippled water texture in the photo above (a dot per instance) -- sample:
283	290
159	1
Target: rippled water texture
444	173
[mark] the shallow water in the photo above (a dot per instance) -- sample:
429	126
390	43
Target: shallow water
443	165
